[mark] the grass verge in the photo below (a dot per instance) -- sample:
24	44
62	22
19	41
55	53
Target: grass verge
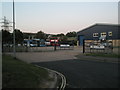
18	74
103	55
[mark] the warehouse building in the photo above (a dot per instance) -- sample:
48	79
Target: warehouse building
110	32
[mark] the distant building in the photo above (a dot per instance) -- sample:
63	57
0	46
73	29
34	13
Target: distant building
29	35
99	31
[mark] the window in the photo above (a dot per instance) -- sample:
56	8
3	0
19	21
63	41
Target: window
110	33
103	34
95	34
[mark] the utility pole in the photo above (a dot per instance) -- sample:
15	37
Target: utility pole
5	23
14	51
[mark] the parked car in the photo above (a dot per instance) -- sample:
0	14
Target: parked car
33	45
97	47
104	44
42	45
64	45
47	43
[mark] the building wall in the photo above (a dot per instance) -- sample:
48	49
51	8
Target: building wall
88	41
116	50
88	32
116	43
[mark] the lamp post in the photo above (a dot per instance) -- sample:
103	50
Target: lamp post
14	51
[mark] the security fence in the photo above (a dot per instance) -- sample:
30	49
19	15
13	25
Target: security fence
26	49
35	47
9	48
96	46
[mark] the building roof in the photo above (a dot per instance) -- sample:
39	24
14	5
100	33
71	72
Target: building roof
99	25
100	28
29	33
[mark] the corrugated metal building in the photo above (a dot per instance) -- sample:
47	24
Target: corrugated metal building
95	32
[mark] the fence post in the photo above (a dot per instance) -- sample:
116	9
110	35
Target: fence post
55	46
83	46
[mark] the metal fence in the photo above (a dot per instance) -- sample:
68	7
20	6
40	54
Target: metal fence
35	49
26	49
96	46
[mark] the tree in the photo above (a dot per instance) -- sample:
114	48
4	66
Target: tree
71	34
41	35
18	36
25	35
60	35
64	39
6	37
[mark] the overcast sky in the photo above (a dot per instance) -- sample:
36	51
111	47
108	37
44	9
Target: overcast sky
60	17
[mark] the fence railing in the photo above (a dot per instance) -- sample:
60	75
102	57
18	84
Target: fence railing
97	47
34	49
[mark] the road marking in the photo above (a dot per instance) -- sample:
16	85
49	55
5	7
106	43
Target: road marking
63	83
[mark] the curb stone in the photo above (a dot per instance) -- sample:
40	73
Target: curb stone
55	74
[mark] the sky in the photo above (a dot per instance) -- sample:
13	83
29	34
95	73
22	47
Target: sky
60	17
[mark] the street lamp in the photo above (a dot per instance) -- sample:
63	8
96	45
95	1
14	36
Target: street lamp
14	51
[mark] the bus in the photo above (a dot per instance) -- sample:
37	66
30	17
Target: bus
29	43
54	41
34	42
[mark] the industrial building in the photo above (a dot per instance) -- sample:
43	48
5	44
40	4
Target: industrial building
109	32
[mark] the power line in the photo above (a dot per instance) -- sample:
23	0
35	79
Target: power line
6	24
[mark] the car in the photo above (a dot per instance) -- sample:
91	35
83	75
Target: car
47	43
64	45
42	45
33	45
97	47
104	44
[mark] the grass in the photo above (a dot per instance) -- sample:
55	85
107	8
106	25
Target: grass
103	55
18	74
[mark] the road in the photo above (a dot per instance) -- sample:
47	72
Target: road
80	73
86	74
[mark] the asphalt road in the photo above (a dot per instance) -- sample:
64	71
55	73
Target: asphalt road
86	74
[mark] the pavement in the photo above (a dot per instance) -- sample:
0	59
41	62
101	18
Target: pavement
59	55
48	56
